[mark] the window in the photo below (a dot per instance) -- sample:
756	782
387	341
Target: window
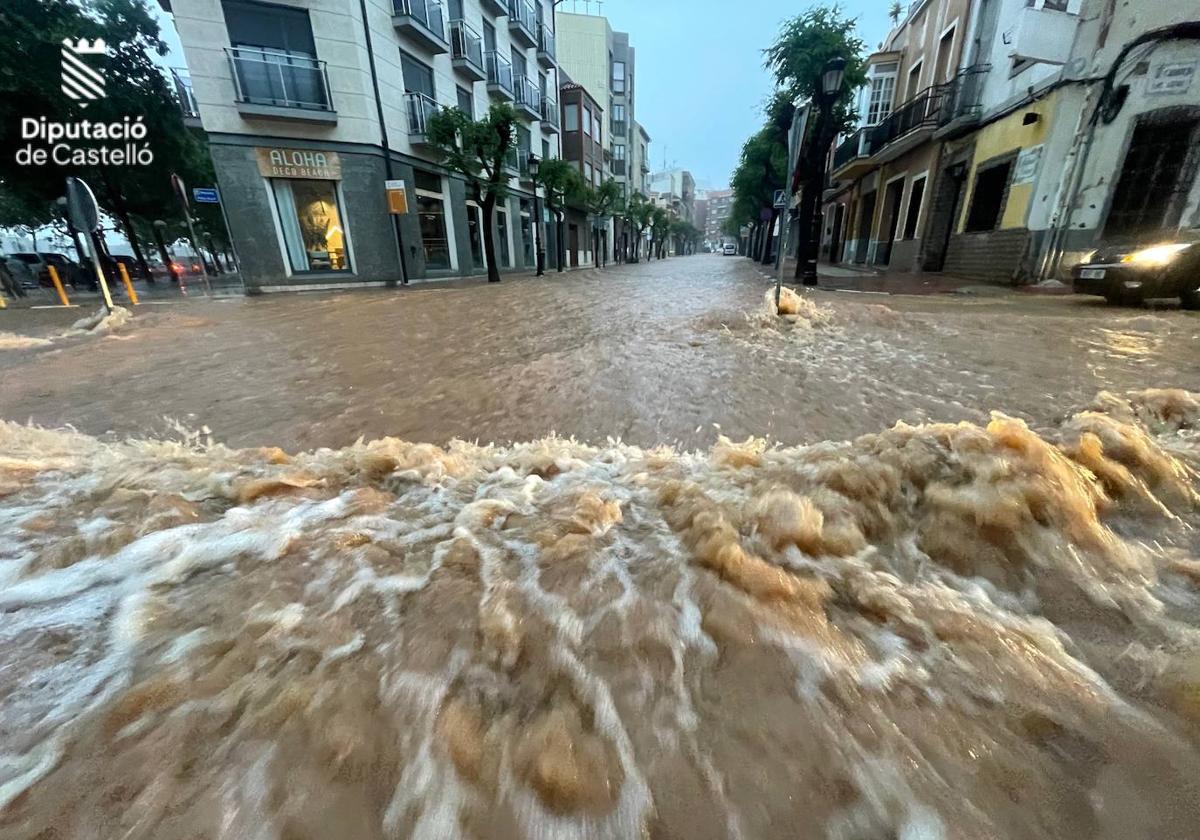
618	152
311	220
418	77
587	173
520	70
475	233
596	127
587	121
571	117
502	231
987	199
1157	173
945	70
618	77
915	196
431	215
274	55
466	103
527	230
880	105
618	116
489	37
914	81
545	150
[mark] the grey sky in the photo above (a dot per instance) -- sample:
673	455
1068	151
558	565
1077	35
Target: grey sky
700	79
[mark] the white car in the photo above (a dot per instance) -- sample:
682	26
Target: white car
729	249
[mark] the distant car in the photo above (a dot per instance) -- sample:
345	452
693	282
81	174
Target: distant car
729	249
1128	274
35	267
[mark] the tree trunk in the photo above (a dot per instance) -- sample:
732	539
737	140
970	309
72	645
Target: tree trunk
118	203
489	246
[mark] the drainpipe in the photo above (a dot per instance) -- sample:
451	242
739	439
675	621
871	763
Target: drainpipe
383	140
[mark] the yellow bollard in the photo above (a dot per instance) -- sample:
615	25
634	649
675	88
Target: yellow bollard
58	286
3	304
128	286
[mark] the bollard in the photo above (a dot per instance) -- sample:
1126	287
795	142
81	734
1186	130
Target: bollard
58	286
128	286
3	303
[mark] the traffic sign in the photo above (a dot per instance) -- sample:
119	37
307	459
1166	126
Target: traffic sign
780	200
180	190
81	205
206	195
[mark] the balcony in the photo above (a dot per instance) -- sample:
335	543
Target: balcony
1041	35
528	98
277	84
494	7
910	125
181	81
419	108
550	120
547	52
962	107
522	23
466	51
499	76
421	20
852	157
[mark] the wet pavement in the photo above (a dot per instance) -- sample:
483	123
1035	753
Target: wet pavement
671	352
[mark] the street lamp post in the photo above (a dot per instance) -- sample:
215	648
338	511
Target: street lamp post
534	166
829	86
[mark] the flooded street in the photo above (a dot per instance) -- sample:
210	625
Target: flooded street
653	353
910	568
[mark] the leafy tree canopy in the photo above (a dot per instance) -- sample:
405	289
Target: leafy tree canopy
476	149
805	43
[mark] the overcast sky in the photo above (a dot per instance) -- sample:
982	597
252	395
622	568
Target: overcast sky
700	75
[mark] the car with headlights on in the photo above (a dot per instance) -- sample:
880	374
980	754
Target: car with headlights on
1131	273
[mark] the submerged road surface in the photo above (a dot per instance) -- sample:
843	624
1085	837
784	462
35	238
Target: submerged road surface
651	353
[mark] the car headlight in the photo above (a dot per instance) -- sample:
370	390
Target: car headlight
1157	256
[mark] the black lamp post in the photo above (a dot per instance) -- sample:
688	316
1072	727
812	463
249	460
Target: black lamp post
534	166
829	86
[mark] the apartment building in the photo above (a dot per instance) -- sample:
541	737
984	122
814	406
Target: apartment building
1024	168
311	110
1123	164
582	144
876	208
675	189
720	207
603	62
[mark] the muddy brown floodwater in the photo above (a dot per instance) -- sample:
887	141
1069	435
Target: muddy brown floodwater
979	622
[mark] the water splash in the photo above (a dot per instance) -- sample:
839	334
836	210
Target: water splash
933	631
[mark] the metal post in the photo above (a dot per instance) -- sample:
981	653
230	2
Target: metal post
196	247
537	232
95	249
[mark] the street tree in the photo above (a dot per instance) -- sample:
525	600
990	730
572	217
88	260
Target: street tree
599	203
660	226
478	151
641	213
806	46
31	34
559	179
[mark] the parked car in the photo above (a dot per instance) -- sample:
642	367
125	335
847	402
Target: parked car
33	269
729	249
1131	273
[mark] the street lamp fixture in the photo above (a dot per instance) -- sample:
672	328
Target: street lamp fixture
535	165
832	76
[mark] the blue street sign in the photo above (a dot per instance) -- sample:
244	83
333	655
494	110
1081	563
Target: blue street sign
206	195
